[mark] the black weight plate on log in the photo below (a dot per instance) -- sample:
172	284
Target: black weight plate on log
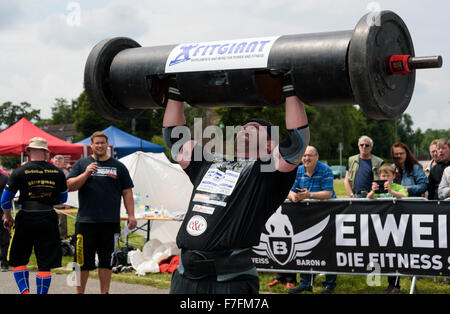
97	82
380	94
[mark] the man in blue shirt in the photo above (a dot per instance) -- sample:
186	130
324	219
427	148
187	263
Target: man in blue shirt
314	181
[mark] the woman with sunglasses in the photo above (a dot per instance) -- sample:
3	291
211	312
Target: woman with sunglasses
409	172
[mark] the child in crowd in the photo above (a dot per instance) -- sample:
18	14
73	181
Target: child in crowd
387	172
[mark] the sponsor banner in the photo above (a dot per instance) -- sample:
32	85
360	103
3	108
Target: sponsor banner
409	237
250	53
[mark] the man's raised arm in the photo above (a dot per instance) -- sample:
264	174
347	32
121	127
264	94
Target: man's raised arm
291	149
176	133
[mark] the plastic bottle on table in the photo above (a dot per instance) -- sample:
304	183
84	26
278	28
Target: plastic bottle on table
147	205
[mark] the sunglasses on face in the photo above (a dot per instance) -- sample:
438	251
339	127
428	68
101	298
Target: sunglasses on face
364	145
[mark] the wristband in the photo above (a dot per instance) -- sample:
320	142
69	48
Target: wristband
288	87
174	92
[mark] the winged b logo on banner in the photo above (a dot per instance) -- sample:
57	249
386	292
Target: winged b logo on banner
282	245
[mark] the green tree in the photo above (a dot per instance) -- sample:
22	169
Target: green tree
87	121
10	113
331	125
63	112
428	136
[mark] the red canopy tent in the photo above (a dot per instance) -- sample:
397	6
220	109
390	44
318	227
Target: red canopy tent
16	138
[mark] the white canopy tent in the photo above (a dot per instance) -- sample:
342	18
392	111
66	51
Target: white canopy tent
166	185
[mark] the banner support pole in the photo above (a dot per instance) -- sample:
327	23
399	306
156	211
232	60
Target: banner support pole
413	285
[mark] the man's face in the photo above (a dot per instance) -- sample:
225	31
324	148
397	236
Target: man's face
434	152
59	163
310	158
251	140
444	153
364	148
99	146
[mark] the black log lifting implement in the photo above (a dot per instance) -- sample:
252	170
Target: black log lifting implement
372	66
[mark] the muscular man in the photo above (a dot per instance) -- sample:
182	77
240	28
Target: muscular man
231	199
41	186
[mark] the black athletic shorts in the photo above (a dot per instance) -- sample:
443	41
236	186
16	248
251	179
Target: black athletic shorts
94	238
38	230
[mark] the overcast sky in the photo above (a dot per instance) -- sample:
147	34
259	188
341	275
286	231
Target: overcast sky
44	44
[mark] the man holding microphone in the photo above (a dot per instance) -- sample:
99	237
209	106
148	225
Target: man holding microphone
101	182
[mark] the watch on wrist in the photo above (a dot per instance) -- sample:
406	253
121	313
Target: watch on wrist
310	195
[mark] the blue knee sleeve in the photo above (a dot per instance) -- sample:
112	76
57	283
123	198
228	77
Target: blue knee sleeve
21	277
43	284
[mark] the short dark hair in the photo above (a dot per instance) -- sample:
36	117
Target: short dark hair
98	134
262	122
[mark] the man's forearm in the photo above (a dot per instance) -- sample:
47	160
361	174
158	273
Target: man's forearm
295	113
347	185
348	188
174	114
74	184
321	195
6	215
128	201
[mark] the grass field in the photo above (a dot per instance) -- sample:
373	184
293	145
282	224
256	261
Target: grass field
346	284
339	188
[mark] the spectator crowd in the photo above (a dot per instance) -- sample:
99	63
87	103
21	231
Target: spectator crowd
369	176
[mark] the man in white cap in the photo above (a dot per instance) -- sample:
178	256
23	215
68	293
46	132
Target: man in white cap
41	186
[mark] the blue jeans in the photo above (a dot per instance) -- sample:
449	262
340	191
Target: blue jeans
306	281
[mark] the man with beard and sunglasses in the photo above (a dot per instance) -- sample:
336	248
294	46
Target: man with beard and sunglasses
232	198
362	169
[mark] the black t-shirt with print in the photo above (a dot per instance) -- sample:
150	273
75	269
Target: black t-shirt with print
38	181
230	203
100	197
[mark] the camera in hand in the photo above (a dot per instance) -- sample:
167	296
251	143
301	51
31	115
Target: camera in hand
381	188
